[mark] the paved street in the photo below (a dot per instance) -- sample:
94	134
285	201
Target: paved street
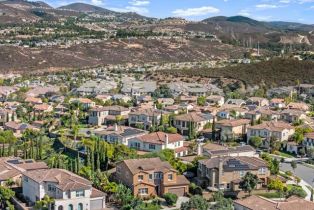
305	173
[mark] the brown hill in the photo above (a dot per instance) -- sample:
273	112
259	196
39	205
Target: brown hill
112	52
276	72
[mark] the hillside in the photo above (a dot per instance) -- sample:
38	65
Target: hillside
277	72
21	59
82	7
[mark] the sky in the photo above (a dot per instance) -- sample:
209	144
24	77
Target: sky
264	10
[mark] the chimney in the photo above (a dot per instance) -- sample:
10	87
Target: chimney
166	140
220	170
115	127
199	149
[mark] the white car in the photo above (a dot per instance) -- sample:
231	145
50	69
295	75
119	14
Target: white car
200	139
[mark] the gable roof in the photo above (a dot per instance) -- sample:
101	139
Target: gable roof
160	138
146	164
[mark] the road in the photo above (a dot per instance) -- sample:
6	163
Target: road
305	173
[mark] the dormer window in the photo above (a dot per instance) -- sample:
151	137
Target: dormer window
170	177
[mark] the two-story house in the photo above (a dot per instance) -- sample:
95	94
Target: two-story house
157	141
151	177
232	129
274	129
145	117
119	134
225	173
69	191
291	115
193	119
108	115
257	101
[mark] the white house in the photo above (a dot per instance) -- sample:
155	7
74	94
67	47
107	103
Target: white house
70	191
155	142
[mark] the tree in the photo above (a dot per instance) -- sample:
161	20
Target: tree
5	196
276	184
221	203
201	101
310	152
195	202
171	199
249	182
124	195
298	137
172	130
293	165
255	141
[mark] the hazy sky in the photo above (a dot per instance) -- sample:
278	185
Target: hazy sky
267	10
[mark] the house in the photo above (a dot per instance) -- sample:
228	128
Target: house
257	101
238	102
6	115
68	190
281	92
307	89
212	150
298	106
11	168
151	177
42	108
188	99
193	120
308	139
230	129
215	100
225	173
255	202
119	134
104	98
165	101
274	129
138	88
17	128
107	115
33	100
253	115
268	114
231	112
277	103
96	87
43	91
157	141
145	117
189	89
6	91
292	115
85	102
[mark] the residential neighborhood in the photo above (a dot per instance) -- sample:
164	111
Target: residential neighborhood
102	144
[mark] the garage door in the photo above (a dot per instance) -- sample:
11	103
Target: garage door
178	191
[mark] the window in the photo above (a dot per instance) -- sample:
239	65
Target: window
26	179
150	176
152	146
70	207
228	186
170	177
51	188
140	177
143	191
80	206
80	193
242	173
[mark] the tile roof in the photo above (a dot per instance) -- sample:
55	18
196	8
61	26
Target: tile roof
160	138
65	180
272	126
147	164
234	122
193	117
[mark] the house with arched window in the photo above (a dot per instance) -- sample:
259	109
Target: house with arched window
69	191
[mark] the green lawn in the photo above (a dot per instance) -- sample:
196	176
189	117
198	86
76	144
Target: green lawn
283	154
270	195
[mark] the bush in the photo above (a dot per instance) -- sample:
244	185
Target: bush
195	190
289	173
296	191
171	199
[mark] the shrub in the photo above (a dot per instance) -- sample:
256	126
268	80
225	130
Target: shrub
171	199
195	190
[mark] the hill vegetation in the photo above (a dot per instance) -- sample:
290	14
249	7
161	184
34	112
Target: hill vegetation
276	72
